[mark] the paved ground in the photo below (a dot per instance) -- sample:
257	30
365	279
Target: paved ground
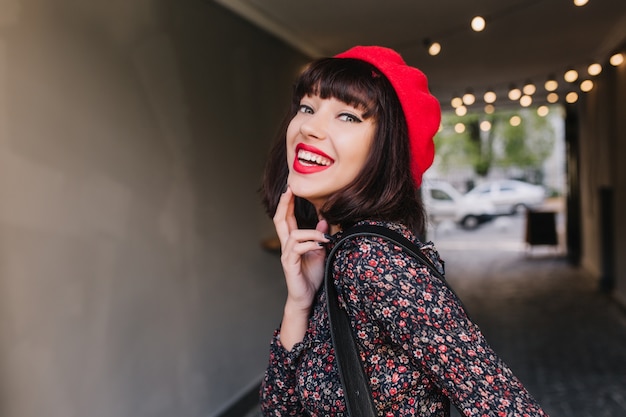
564	339
546	319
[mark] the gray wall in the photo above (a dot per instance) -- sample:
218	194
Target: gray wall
603	152
620	182
132	139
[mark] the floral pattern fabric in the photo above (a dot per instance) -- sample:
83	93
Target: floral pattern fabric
417	345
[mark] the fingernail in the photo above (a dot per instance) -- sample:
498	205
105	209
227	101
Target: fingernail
285	188
329	237
321	243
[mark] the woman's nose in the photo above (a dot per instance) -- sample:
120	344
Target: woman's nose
314	127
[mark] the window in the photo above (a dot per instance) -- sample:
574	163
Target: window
440	195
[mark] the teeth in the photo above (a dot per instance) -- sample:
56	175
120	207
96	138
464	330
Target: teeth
313	158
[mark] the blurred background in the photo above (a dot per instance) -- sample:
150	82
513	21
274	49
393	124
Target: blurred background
135	275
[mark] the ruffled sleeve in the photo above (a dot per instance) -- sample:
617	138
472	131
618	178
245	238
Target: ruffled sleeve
278	389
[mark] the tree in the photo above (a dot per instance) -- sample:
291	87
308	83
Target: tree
498	143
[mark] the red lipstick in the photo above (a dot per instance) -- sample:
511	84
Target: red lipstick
309	160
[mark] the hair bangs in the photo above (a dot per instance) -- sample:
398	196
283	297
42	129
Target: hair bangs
352	81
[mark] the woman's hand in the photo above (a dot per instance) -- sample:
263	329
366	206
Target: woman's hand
302	259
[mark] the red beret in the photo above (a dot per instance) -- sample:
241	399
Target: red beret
421	109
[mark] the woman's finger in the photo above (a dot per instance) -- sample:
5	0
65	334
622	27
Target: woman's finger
282	225
290	215
300	242
322	226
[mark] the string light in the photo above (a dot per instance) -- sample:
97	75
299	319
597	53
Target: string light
594	69
551	83
571	97
459	128
524	95
515	120
469	98
529	88
433	48
490	96
616	59
485	125
586	86
514	93
552	98
542	111
525	101
570	75
478	24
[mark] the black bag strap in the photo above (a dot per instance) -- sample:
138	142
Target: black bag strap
356	386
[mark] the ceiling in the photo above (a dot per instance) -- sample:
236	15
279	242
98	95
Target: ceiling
523	40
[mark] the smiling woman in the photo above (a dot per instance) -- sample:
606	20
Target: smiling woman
328	142
355	145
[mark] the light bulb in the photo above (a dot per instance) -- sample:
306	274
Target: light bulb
433	48
542	111
571	97
478	24
570	75
529	88
616	59
489	97
468	98
586	86
551	85
594	69
515	94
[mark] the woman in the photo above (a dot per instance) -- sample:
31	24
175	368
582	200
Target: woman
356	143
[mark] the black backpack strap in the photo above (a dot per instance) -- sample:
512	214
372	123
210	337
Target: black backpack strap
356	386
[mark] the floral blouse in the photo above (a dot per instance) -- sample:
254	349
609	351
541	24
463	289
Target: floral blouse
417	345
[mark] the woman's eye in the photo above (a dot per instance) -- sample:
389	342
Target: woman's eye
305	109
347	117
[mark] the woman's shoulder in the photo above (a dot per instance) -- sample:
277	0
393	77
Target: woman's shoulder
399	228
370	248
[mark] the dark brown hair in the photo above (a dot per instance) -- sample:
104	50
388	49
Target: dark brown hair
384	189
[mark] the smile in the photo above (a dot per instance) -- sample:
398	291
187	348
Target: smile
310	160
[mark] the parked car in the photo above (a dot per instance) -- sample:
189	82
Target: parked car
509	196
444	202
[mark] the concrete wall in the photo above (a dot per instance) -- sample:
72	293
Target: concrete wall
619	159
595	126
132	139
603	152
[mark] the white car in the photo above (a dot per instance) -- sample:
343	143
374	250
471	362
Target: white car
444	202
509	196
